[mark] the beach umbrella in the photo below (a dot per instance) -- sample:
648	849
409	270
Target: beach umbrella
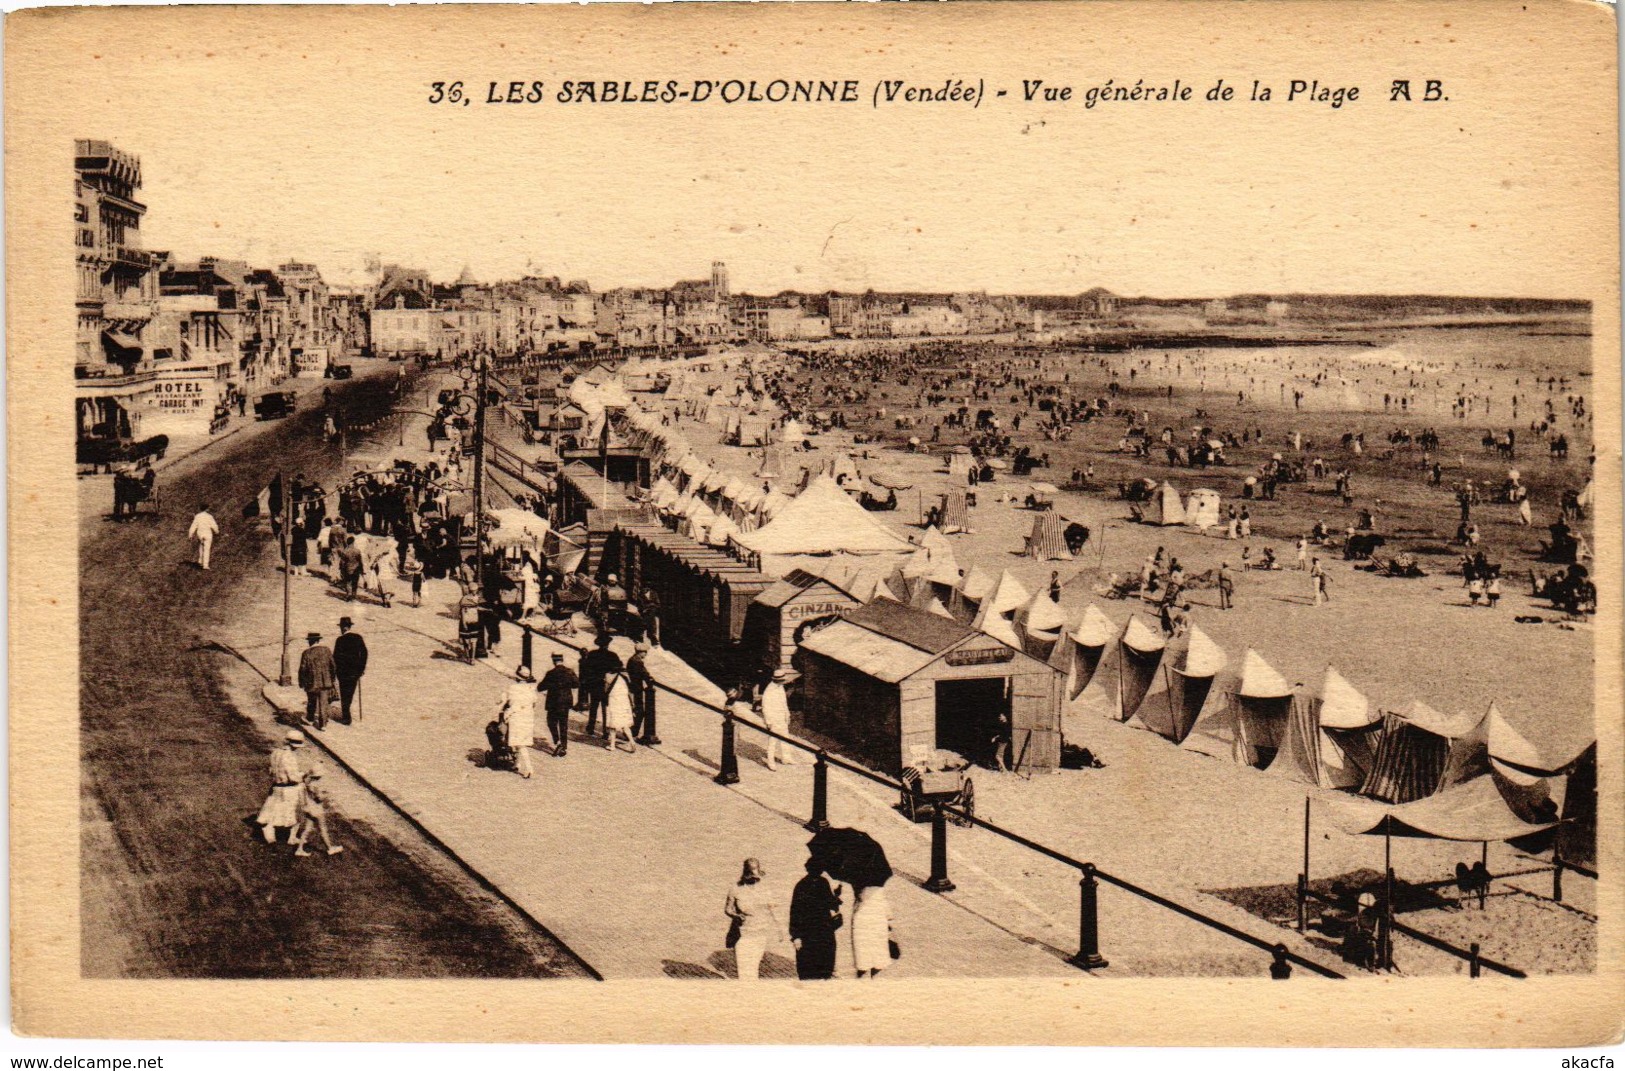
1045	489
891	483
851	856
997	464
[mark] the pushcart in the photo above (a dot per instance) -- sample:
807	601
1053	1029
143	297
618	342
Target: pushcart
925	789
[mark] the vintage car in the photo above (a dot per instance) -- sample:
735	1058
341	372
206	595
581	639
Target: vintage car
341	371
274	404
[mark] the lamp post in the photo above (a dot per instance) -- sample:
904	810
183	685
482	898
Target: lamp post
475	374
483	365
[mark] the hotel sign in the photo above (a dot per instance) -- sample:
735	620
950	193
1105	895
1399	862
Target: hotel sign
979	657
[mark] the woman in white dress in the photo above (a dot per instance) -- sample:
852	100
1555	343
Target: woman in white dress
529	587
871	931
752	909
384	574
618	711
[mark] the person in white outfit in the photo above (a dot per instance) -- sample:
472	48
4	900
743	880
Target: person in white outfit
751	908
202	532
518	719
871	931
776	716
618	712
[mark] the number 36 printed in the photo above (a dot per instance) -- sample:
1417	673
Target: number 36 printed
447	93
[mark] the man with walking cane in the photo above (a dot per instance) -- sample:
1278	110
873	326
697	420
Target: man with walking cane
349	665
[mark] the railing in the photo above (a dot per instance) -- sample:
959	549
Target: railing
1475	959
1087	957
514	465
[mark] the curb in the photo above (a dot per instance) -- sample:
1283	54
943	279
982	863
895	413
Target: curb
172	461
414	819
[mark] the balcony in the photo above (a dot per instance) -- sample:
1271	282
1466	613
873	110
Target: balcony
126	311
135	258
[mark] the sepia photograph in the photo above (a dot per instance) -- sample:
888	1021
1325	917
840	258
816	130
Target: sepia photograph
945	506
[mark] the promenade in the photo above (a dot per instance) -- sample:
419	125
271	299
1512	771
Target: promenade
626	858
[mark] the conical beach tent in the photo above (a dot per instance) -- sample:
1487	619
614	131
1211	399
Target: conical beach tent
1202	508
1181	687
1079	655
997	614
1332	738
1126	672
1246	715
976	586
1042	624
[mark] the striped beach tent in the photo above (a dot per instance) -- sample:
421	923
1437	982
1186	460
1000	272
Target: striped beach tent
955	513
1047	542
1332	737
1412	753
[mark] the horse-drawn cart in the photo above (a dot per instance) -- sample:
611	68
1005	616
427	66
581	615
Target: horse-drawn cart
135	494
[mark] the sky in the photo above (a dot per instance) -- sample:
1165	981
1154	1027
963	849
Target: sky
322	146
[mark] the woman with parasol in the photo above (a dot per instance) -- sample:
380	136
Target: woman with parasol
857	859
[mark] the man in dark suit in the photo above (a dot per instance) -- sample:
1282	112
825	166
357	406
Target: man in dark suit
643	695
558	686
349	665
815	915
316	677
595	666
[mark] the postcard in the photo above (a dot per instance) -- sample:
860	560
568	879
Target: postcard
1065	523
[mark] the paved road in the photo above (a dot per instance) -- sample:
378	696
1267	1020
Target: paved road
177	884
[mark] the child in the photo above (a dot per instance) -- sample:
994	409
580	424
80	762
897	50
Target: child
412	569
1493	590
324	542
1475	590
313	817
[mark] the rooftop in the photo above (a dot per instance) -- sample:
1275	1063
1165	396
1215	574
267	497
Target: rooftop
916	628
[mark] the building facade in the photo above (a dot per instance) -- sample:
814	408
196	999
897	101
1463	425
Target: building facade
117	294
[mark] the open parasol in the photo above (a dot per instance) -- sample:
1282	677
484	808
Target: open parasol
851	856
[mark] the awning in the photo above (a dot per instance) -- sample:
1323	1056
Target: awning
112	387
122	340
1473	810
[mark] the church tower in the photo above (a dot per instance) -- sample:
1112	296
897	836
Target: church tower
719	281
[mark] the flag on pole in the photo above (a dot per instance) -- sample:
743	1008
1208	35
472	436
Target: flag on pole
259	506
603	443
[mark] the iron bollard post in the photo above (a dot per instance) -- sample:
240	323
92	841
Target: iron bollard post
525	651
1473	968
728	773
651	702
1280	968
1557	880
939	882
1303	902
820	809
1088	957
